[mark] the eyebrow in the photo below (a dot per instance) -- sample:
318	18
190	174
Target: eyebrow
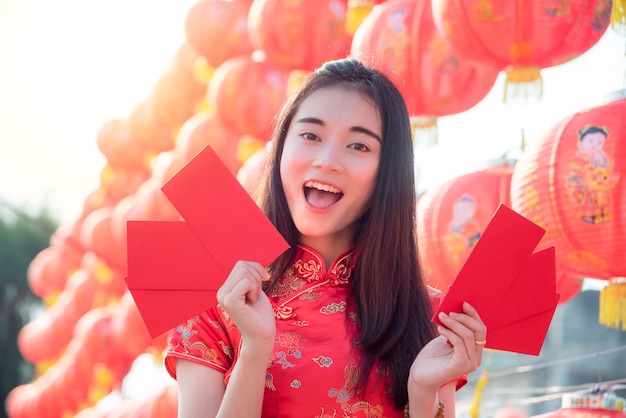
353	128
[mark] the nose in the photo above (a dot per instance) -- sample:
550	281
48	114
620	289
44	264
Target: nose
328	157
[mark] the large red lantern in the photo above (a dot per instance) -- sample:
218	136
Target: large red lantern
452	217
299	34
247	92
523	36
573	183
400	39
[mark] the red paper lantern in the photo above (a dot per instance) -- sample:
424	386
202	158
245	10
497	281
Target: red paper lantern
217	29
204	129
247	92
251	172
400	39
521	37
452	217
97	236
299	34
118	146
573	183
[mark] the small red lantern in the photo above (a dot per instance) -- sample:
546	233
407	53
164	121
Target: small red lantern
299	34
119	147
573	183
400	39
247	92
452	217
522	37
204	129
217	29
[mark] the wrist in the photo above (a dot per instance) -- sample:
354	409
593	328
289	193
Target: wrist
425	405
256	350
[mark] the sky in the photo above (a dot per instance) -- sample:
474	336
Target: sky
68	66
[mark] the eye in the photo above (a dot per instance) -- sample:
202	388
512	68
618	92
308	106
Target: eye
309	136
360	147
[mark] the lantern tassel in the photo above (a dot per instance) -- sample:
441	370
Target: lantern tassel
618	17
523	83
425	132
357	11
613	304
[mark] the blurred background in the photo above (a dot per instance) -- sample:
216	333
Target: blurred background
101	102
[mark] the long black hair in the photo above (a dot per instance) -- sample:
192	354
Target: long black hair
390	297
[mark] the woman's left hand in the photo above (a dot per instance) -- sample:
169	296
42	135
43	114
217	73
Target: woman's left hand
457	351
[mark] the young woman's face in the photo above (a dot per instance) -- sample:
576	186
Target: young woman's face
329	164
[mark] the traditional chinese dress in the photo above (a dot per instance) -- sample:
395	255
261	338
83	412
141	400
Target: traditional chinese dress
314	368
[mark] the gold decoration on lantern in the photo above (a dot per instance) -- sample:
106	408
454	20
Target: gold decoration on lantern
425	132
523	83
357	11
613	304
618	17
296	77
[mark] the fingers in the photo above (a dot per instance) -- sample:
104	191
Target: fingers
475	323
467	333
245	281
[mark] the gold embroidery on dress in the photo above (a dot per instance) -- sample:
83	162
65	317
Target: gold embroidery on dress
348	391
311	295
283	312
291	341
333	308
269	382
324	415
308	268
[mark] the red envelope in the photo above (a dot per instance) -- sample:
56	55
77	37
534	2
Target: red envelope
513	289
221	213
170	274
176	267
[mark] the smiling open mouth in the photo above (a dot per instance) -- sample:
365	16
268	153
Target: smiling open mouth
320	195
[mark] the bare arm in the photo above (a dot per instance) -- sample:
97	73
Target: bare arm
246	383
200	390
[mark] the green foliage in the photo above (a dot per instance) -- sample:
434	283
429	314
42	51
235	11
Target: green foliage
22	237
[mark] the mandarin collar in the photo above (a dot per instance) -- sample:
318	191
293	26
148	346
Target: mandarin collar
309	265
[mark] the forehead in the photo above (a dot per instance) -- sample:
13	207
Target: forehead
341	104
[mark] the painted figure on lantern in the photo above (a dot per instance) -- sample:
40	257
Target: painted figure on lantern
463	230
393	40
592	180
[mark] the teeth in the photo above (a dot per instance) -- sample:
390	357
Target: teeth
322	186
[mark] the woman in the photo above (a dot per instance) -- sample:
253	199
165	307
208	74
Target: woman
340	324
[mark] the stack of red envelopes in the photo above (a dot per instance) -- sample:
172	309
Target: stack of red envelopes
512	287
176	267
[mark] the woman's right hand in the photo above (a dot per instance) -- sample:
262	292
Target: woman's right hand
248	306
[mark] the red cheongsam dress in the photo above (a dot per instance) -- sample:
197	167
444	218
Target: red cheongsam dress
314	369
